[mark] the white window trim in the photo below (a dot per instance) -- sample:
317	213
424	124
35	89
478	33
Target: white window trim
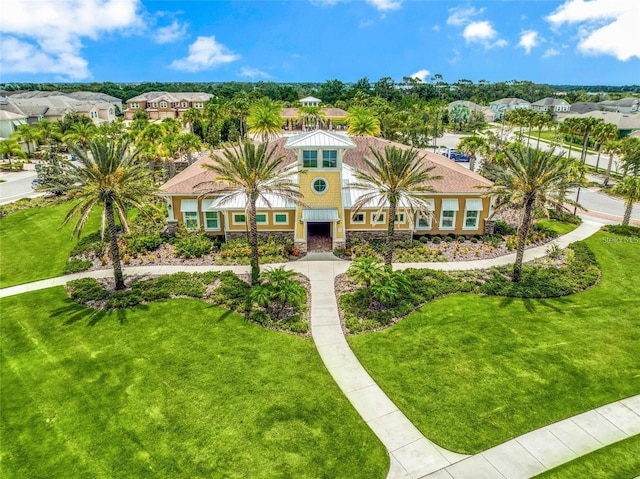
314	189
184	220
276	223
266	219
205	220
465	227
375	219
453	227
233	219
364	218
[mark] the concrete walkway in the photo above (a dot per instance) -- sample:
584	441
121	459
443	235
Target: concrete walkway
413	455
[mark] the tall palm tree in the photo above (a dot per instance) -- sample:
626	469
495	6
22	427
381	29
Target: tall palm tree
80	134
362	122
107	175
265	119
602	133
397	179
613	148
629	189
472	145
251	172
528	179
10	148
28	134
312	116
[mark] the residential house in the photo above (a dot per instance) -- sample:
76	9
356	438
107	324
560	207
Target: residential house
489	114
551	105
329	162
161	104
505	104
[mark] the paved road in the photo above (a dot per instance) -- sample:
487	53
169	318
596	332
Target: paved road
17	185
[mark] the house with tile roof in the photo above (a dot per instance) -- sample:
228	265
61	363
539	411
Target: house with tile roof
162	104
324	165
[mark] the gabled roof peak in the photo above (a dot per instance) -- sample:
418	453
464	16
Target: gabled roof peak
319	139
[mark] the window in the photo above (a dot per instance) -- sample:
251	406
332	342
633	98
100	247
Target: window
239	219
261	218
448	215
320	185
330	159
211	220
191	220
399	218
309	159
473	207
281	218
378	218
163	104
471	219
358	218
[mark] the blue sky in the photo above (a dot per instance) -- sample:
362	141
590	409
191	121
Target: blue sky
558	42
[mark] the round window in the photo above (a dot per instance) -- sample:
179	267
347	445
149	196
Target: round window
319	185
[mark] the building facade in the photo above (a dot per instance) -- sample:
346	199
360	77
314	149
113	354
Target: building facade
323	164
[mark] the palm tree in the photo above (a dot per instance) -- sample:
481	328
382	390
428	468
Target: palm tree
362	122
265	119
613	148
472	145
251	172
107	175
26	133
629	189
602	133
312	116
80	134
398	178
10	148
528	179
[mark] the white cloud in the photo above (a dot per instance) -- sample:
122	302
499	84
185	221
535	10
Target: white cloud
607	27
204	54
550	52
420	75
171	33
385	5
46	36
460	15
483	33
528	40
249	72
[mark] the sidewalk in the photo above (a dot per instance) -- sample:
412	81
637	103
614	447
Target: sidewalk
412	455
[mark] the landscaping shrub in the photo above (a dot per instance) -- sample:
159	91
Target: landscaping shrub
621	230
76	265
86	289
144	242
504	228
193	246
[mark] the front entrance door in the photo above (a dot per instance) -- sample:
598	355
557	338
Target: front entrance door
319	237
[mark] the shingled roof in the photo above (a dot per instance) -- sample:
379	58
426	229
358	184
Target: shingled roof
456	178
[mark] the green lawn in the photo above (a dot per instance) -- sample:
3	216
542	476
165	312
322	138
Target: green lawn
174	389
472	371
559	227
617	461
32	245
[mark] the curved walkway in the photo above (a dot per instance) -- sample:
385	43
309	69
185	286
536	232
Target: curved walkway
413	455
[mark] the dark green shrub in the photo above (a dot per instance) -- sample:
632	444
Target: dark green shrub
144	242
86	289
503	228
76	265
193	246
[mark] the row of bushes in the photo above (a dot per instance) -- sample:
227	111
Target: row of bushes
385	296
279	301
